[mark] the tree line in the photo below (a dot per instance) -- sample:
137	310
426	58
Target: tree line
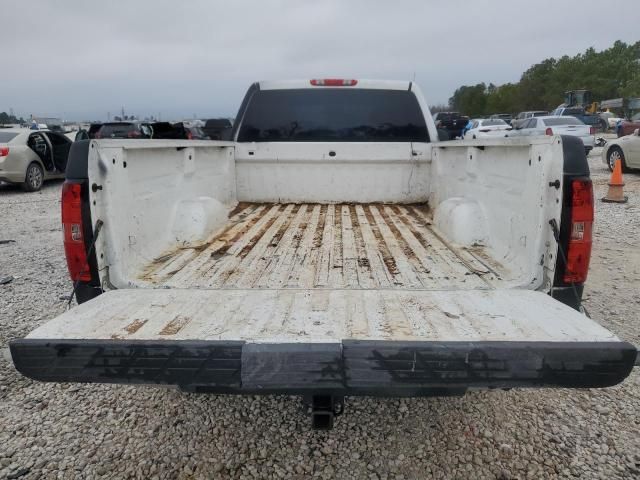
611	73
6	118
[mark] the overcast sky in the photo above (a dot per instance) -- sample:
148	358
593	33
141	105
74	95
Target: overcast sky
80	59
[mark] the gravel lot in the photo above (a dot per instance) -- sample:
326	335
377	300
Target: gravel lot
101	431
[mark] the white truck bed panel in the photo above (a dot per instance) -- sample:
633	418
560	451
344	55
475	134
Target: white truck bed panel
323	246
324	315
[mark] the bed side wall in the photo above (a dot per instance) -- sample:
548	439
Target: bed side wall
494	196
154	196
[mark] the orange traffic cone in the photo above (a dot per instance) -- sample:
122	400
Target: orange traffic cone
615	193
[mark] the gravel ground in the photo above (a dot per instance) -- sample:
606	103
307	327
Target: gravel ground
102	431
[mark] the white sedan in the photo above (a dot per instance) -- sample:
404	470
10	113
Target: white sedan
626	149
558	125
487	127
29	157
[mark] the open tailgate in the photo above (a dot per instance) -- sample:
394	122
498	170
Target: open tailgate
385	342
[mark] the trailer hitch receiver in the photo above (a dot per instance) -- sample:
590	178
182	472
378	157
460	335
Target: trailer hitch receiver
324	409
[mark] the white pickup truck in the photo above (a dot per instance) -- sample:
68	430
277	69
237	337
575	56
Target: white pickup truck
334	247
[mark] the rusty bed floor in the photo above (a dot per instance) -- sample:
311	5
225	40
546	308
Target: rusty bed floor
368	246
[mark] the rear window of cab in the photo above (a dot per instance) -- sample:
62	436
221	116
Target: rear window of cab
333	115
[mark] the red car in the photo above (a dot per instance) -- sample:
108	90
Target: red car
627	127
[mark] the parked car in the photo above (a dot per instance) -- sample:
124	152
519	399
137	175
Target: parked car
28	157
452	122
124	130
177	130
196	133
627	127
155	130
487	127
522	116
56	128
609	120
303	259
559	125
168	131
507	117
218	128
580	114
90	133
626	149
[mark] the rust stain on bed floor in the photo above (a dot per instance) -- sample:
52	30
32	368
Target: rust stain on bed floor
240	207
383	248
382	241
263	230
319	232
175	325
134	326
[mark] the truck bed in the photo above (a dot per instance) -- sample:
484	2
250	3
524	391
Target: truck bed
328	299
366	246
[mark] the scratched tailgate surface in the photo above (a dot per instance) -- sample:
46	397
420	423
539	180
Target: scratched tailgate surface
324	315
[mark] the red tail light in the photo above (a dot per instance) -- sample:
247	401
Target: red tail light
580	236
189	136
4	151
134	134
97	135
592	131
333	82
72	230
548	131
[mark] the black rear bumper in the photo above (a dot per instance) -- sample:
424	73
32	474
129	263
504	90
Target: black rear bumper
351	367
